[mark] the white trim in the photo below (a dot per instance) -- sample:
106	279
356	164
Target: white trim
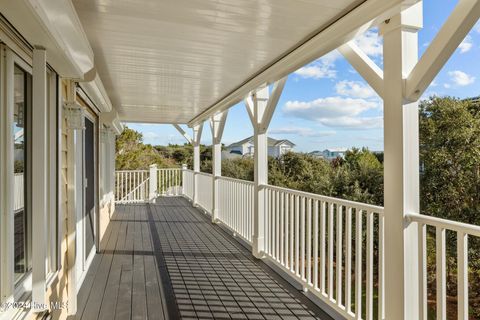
39	174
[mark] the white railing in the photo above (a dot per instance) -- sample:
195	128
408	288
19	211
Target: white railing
236	205
18	192
132	186
205	190
188	183
169	182
462	233
324	242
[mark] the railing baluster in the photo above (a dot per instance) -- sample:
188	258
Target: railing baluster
309	241
369	300
338	258
381	267
422	270
348	260
292	236
315	244
297	235
330	251
281	228
277	225
322	247
441	274
302	237
462	261
358	263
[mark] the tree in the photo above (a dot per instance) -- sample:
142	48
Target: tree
132	154
450	159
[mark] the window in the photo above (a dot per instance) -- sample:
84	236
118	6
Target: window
22	88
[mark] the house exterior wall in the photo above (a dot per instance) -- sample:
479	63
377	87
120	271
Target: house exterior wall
58	282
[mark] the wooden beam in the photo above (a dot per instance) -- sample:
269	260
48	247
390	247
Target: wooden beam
365	66
183	133
217	125
452	33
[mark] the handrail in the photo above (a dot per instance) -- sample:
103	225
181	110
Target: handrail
347	203
204	174
444	223
235	180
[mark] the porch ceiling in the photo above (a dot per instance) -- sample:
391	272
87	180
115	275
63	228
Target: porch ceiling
169	61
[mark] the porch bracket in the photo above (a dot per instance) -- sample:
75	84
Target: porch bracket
365	66
183	133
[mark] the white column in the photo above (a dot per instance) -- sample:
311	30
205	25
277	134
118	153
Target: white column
76	125
153	183
39	178
260	107
260	99
197	135
217	124
184	177
400	49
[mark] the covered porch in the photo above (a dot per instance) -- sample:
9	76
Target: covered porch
166	260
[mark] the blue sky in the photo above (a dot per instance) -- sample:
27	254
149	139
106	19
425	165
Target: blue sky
326	104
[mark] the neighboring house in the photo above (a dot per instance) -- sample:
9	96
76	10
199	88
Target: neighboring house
245	147
330	154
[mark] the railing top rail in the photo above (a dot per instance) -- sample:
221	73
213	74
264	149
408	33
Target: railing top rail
445	224
188	170
121	171
235	180
204	174
347	203
165	169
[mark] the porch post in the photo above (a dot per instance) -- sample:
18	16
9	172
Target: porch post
153	183
39	178
217	124
197	135
260	107
75	125
400	52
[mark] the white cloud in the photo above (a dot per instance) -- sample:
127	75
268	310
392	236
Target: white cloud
354	89
149	135
371	43
335	112
466	44
304	132
460	78
323	67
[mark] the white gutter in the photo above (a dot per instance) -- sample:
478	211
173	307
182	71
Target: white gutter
97	93
111	119
54	25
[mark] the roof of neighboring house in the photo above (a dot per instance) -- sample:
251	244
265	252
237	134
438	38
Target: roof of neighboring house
335	150
271	142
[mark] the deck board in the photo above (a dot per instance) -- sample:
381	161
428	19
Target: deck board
168	261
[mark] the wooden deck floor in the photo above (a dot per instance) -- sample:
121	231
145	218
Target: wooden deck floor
167	261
